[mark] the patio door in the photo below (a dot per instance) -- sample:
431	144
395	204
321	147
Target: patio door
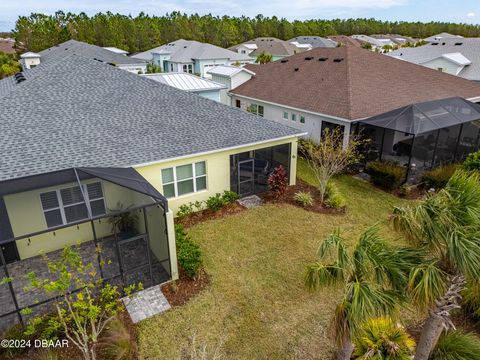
10	252
246	177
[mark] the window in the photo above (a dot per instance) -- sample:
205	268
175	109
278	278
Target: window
294	117
285	115
440	69
256	109
184	179
302	119
188	68
171	67
67	205
238	103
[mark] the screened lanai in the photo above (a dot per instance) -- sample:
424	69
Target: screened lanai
114	218
423	135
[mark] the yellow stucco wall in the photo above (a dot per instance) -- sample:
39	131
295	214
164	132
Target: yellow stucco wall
218	172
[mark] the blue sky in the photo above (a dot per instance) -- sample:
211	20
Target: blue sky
467	11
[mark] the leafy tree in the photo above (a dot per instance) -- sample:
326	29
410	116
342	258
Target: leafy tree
374	278
264	58
367	45
446	226
8	65
330	157
84	304
152	68
381	338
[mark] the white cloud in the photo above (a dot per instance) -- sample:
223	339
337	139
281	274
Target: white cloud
471	14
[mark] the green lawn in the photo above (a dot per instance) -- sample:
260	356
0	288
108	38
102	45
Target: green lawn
257	301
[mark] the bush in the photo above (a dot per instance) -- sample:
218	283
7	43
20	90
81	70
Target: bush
189	254
117	343
215	202
278	181
184	210
304	198
384	340
405	190
471	299
457	345
437	178
229	196
472	162
334	199
387	174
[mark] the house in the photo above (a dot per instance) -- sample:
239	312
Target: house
230	77
395	38
442	36
335	87
87	50
116	50
7	45
345	40
455	56
191	83
313	41
376	43
98	156
190	56
269	45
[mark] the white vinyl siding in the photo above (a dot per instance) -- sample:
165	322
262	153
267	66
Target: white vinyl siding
67	205
184	179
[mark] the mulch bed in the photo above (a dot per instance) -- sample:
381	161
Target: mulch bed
203	215
185	288
289	198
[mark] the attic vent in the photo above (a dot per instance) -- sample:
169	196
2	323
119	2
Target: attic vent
434	43
309	58
111	64
19	77
185	47
323	59
443	43
458	44
98	60
284	61
296	69
338	60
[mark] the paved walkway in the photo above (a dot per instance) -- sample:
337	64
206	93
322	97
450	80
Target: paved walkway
146	303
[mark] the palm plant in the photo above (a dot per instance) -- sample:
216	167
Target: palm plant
447	227
381	339
373	277
264	58
457	345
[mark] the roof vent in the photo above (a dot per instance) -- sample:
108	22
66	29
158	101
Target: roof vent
443	43
308	57
296	69
19	77
434	43
458	44
338	60
323	59
284	61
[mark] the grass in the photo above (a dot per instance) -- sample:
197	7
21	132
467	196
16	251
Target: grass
257	302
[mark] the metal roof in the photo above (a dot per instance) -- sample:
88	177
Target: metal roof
185	81
228	71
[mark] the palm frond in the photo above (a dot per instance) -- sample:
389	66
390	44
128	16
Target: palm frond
319	275
334	245
427	282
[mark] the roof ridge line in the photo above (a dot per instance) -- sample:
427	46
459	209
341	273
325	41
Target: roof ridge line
349	88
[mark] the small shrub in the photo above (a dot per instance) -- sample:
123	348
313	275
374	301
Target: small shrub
304	198
15	332
117	343
380	338
457	345
184	210
405	190
215	202
334	199
437	178
189	254
278	181
229	196
387	174
471	299
472	162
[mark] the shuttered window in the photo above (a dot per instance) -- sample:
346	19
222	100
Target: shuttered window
68	205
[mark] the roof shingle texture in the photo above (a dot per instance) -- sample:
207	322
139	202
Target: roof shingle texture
272	46
78	112
362	84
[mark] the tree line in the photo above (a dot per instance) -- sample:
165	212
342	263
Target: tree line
39	31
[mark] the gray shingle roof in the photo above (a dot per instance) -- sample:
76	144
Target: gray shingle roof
315	41
87	50
80	112
468	47
184	51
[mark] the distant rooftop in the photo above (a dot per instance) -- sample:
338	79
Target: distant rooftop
228	71
315	41
185	81
270	45
441	36
116	50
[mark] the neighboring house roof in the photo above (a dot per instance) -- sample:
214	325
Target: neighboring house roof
77	112
228	71
397	39
30	55
378	42
116	50
7	46
442	36
185	81
87	50
314	41
350	83
185	51
345	40
468	48
272	46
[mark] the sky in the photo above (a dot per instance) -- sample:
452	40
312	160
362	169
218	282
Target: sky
466	11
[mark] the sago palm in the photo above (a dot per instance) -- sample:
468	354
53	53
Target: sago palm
374	276
447	227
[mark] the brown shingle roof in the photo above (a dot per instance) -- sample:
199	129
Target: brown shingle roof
345	40
361	84
271	45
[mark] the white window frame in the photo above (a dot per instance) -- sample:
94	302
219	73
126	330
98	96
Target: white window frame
194	178
189	68
62	207
301	119
287	116
294	117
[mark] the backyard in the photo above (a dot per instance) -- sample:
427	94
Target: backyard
257	304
